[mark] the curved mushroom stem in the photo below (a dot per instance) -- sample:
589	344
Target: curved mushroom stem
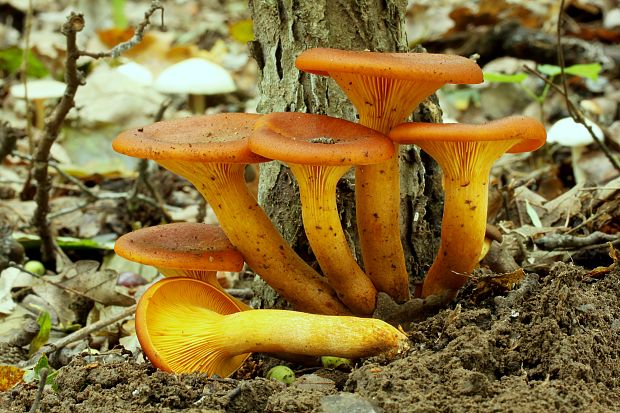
251	231
466	167
317	187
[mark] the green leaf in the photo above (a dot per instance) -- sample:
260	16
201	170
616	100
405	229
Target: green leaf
45	326
588	70
11	61
549	70
493	77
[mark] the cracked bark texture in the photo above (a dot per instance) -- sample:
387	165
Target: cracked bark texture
283	29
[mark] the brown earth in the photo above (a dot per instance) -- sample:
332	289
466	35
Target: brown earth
553	344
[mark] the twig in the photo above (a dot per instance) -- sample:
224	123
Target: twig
24	69
73	25
82	333
136	38
37	398
567	242
573	111
577	116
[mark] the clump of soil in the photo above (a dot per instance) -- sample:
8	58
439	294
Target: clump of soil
551	345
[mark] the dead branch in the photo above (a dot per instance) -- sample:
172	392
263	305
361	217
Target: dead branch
569	242
73	79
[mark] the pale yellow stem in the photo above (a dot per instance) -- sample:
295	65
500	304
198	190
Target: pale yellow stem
317	187
250	230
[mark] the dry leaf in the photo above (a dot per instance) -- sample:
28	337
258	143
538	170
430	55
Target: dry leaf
10	376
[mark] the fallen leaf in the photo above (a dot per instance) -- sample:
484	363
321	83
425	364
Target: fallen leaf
10	376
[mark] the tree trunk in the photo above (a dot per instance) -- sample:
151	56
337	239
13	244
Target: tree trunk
283	29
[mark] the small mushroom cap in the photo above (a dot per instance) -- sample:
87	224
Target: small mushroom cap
166	322
183	245
425	66
136	72
567	132
39	89
207	138
530	132
304	138
195	76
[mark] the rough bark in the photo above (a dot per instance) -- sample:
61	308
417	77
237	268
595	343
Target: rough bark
284	28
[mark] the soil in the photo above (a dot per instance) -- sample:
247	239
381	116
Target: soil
551	344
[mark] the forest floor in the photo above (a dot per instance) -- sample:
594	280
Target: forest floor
537	328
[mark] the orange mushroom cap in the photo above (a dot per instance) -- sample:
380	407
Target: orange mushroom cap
209	138
183	245
308	139
529	132
166	307
423	66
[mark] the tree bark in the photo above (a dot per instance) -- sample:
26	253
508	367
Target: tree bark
283	29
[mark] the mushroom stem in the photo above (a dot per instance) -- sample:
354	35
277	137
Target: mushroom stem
197	104
317	187
251	231
281	331
466	167
382	103
39	113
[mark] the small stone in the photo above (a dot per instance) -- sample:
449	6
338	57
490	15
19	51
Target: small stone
347	402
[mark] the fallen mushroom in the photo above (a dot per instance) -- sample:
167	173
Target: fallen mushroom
186	325
466	154
212	152
183	249
385	88
319	150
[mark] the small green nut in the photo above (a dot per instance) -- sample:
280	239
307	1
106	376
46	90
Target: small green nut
35	267
331	362
281	373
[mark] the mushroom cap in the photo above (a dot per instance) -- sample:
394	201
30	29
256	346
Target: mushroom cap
425	66
39	89
530	132
195	76
207	138
308	139
136	72
567	132
183	245
170	332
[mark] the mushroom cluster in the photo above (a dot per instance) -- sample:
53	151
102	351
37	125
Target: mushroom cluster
187	322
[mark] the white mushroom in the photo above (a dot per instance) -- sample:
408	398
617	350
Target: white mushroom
196	77
38	91
136	72
567	132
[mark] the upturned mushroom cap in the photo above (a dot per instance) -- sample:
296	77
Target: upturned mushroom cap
529	132
308	139
184	245
207	138
167	307
424	66
195	76
39	89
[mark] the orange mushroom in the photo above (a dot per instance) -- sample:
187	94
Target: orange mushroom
185	325
183	249
319	150
385	88
211	152
466	154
